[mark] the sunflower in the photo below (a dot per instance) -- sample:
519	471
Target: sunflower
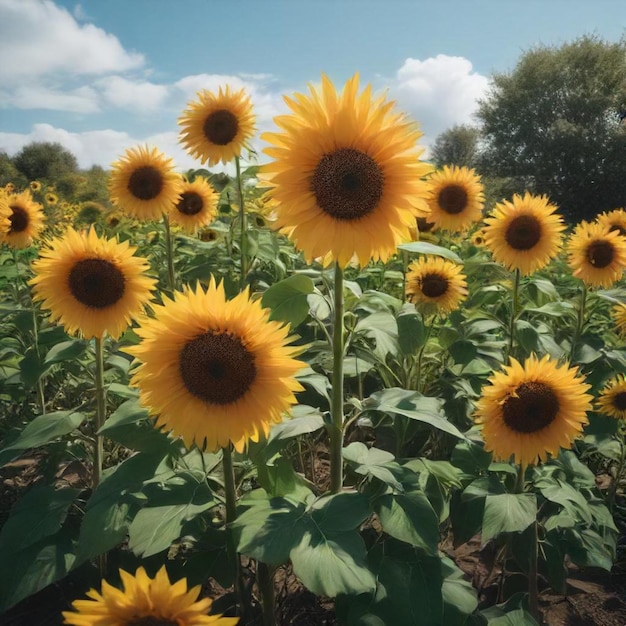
457	198
9	188
424	225
91	284
26	219
144	184
35	185
533	409
618	314
113	219
217	127
214	370
612	400
597	255
478	238
614	220
196	205
209	234
436	281
51	198
525	233
346	177
145	601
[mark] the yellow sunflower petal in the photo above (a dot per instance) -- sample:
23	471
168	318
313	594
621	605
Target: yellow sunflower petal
614	220
196	206
26	219
612	400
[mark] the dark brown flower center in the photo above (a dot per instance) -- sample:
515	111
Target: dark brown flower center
452	199
96	283
190	203
533	407
348	184
114	221
523	233
18	218
618	228
434	285
145	182
149	620
423	225
619	400
600	253
208	235
221	127
217	368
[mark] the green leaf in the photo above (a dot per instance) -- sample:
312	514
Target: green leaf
459	596
564	494
305	419
66	351
42	430
411	332
281	480
382	328
423	247
373	462
340	512
31	368
471	458
508	513
38	514
519	617
287	299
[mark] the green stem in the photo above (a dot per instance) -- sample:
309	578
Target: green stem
265	580
169	250
336	430
405	267
514	307
533	590
230	493
519	483
100	413
581	319
428	326
615	484
243	242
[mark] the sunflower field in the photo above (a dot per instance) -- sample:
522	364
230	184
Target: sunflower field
332	386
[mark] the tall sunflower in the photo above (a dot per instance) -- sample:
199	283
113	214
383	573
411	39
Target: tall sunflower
457	198
529	411
524	233
436	281
143	183
346	175
145	601
217	127
26	219
618	313
614	220
196	206
597	255
90	284
612	400
214	370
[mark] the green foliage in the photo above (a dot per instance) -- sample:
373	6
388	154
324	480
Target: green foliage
45	161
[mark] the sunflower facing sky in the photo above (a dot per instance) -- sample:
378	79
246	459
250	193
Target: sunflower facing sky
196	206
90	284
26	219
436	281
529	411
457	198
596	255
524	233
614	220
217	126
213	370
346	174
143	183
145	601
612	400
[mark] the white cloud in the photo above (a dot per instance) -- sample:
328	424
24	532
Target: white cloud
130	94
37	96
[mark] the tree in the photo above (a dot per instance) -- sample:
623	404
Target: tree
456	146
45	161
553	124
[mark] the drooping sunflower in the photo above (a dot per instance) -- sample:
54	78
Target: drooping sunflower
346	175
524	233
612	400
217	127
91	284
529	411
618	313
35	185
26	219
145	601
143	183
614	220
596	255
51	198
457	198
196	206
215	371
436	281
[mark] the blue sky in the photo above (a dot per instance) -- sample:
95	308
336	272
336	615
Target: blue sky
100	76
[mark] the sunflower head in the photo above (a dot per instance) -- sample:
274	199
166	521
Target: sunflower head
113	219
26	219
90	284
437	282
143	183
35	185
478	238
614	220
531	410
457	198
618	313
217	126
346	174
214	370
612	400
524	233
596	254
196	205
145	601
51	198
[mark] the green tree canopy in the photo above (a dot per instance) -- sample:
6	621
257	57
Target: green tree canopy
45	161
553	125
456	146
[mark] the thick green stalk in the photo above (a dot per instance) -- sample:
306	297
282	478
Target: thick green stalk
265	580
336	430
243	220
169	251
580	322
100	414
230	493
514	307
